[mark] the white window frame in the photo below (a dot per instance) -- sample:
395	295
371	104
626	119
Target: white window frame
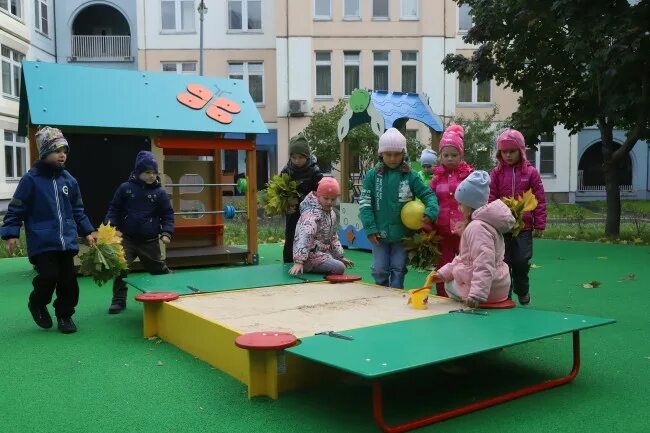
38	18
404	17
463	31
14	93
356	63
179	67
318	63
409	63
538	157
244	17
15	143
246	74
381	17
356	17
178	17
327	17
380	63
19	9
474	101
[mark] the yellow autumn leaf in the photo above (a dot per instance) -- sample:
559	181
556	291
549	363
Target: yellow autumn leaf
529	200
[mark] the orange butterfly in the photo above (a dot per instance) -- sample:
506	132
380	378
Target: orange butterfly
221	109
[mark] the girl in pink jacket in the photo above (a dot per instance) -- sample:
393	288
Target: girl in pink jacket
479	274
512	177
451	171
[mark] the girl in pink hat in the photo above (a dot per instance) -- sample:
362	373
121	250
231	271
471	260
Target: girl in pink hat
450	172
512	177
316	246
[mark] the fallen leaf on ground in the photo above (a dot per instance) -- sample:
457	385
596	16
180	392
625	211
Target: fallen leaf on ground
591	284
534	266
629	277
159	363
570	237
602	258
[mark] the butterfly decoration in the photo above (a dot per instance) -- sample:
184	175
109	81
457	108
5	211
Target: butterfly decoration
221	110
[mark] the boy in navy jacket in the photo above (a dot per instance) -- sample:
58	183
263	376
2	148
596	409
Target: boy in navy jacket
48	201
141	210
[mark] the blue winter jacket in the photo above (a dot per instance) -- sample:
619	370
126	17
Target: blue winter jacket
49	202
141	212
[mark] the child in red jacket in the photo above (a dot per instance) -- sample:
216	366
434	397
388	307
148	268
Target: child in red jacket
512	177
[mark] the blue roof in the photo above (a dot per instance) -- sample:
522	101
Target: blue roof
126	101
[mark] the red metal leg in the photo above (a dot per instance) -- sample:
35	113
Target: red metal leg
431	419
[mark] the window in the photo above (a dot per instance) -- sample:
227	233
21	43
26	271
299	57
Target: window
40	16
14	7
380	70
15	155
181	68
11	71
351	67
464	18
245	15
177	15
380	9
253	74
409	71
409	10
351	10
322	9
323	74
544	157
473	92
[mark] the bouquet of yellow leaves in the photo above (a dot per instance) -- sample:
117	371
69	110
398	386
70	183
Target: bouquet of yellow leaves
422	249
105	260
526	202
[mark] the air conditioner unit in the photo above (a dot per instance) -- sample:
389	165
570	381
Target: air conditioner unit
297	107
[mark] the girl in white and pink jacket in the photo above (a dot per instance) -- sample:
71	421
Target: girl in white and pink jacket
478	273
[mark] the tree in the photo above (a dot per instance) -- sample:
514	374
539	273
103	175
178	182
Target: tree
480	138
573	62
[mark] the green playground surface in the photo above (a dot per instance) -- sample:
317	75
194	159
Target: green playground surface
107	378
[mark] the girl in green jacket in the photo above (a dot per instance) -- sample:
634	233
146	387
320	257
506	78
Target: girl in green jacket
386	188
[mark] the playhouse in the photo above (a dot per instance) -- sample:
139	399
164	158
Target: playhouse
109	115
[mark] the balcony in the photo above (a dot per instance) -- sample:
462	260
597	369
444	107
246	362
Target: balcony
98	48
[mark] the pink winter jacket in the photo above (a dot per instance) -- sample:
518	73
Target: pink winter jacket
444	184
479	271
317	234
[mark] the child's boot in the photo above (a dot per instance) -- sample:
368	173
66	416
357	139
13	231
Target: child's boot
40	315
66	325
118	304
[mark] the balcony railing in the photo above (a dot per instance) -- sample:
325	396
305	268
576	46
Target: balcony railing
97	48
598	188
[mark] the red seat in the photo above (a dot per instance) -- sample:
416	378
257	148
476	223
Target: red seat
508	303
267	340
156	297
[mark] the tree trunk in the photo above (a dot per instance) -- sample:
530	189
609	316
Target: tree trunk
613	219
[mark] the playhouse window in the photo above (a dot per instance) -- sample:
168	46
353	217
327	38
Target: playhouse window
13	7
409	71
11	71
380	70
351	9
409	10
464	18
474	92
380	9
323	74
351	66
181	68
177	15
244	15
322	9
253	74
15	155
41	16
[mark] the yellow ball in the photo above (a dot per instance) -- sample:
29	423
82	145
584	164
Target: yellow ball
412	213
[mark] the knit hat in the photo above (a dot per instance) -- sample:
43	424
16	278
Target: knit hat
474	190
392	141
328	186
428	157
145	161
457	129
452	139
50	140
299	144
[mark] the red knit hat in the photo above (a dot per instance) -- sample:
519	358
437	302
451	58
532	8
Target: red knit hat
328	186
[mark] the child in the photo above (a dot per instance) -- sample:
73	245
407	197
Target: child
386	189
49	202
479	274
451	172
428	159
316	247
141	210
301	167
512	177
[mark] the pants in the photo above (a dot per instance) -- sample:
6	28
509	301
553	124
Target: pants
328	266
56	272
389	264
151	258
291	222
519	250
448	246
452	290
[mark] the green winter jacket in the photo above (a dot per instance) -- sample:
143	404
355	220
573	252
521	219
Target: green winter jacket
384	192
426	178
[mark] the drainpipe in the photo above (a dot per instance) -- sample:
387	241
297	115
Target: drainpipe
56	59
202	11
288	71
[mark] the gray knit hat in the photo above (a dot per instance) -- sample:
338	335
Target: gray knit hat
474	191
50	140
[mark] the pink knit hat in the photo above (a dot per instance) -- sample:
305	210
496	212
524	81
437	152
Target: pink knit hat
328	186
457	129
452	139
391	141
511	139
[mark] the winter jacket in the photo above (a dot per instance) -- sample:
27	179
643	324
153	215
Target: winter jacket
444	185
317	236
479	271
48	201
385	191
426	178
140	211
513	181
308	176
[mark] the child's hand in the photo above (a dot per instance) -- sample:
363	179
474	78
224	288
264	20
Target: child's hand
471	302
426	220
538	233
11	244
296	269
374	239
165	240
91	239
291	209
347	262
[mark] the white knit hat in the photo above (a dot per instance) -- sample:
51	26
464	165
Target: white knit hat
392	141
474	191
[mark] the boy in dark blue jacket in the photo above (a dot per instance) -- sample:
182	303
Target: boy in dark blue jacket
48	201
141	210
